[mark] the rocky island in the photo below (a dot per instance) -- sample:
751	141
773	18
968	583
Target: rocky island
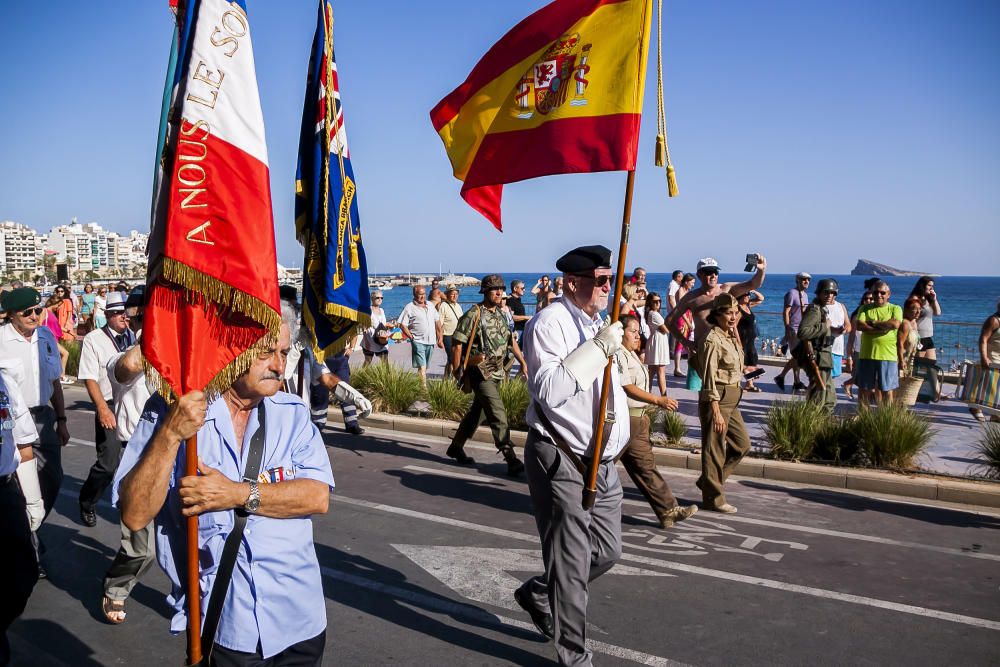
866	267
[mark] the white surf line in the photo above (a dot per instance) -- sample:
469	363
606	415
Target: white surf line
482	479
691	569
472	612
951	551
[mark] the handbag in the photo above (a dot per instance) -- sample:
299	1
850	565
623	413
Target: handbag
466	379
231	548
381	335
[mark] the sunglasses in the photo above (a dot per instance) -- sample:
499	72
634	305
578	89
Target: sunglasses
32	311
883	293
377	298
600	281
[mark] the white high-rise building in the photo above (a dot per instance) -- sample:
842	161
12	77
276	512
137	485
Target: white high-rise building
20	249
84	248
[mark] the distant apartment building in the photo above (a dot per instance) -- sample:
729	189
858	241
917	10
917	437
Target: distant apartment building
20	248
83	248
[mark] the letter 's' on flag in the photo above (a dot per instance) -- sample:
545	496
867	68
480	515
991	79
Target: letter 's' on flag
335	296
560	93
212	284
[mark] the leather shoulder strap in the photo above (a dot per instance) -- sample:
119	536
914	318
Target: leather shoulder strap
232	547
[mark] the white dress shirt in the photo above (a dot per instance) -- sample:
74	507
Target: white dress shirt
39	358
128	399
98	348
549	337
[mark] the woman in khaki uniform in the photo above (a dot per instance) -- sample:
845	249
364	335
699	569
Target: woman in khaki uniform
637	458
724	438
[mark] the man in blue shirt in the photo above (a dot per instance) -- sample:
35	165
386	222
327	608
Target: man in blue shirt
274	609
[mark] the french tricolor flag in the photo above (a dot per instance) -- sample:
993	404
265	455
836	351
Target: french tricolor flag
213	273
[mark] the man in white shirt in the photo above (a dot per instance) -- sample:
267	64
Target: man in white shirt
129	393
18	562
99	346
566	349
421	325
24	342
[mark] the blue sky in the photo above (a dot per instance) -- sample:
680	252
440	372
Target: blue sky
815	133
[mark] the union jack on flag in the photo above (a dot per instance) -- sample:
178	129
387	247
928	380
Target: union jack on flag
335	296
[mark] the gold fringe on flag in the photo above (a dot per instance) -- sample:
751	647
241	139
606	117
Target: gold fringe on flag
220	293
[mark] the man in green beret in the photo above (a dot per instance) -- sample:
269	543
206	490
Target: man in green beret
32	350
483	328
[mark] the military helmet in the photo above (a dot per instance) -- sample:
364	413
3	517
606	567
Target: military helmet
492	282
827	285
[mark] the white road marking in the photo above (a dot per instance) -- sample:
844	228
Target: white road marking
719	574
458	610
482	479
78	441
848	536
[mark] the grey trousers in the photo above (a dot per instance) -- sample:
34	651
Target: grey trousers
48	452
577	545
135	556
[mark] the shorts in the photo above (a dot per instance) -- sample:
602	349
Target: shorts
693	380
838	365
421	354
369	354
873	374
926	344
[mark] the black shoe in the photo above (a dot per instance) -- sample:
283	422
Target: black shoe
798	386
780	382
458	453
541	619
354	429
88	517
42	574
514	465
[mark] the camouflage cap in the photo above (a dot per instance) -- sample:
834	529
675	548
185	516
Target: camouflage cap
492	282
724	301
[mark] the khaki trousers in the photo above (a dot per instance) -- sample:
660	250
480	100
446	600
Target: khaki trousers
721	452
640	465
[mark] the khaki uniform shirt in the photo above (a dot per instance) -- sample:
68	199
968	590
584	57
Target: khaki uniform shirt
493	338
633	371
720	357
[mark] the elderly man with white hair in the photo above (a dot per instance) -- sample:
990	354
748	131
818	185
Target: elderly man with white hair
264	472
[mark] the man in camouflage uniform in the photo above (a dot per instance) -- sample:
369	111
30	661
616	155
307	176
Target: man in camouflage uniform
486	326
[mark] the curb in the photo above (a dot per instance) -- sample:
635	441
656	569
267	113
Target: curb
981	494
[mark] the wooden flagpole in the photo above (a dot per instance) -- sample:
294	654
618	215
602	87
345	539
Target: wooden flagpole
590	488
193	571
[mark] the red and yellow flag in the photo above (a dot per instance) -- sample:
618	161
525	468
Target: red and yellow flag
560	93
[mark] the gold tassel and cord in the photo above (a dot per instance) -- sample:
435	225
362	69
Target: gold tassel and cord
662	153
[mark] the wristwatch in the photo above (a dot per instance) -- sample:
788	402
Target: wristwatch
253	501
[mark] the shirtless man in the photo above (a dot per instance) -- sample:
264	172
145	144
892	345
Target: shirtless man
699	302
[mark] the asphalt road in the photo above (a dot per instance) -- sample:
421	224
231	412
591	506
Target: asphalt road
420	558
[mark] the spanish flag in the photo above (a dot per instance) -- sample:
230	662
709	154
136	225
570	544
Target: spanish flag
560	93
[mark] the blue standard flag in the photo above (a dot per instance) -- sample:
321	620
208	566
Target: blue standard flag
335	297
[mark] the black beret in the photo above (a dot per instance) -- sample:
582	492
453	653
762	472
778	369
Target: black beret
20	299
585	258
288	293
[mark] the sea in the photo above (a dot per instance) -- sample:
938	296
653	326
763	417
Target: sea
965	301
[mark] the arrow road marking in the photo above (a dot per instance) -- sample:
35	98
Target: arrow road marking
719	574
481	573
458	610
